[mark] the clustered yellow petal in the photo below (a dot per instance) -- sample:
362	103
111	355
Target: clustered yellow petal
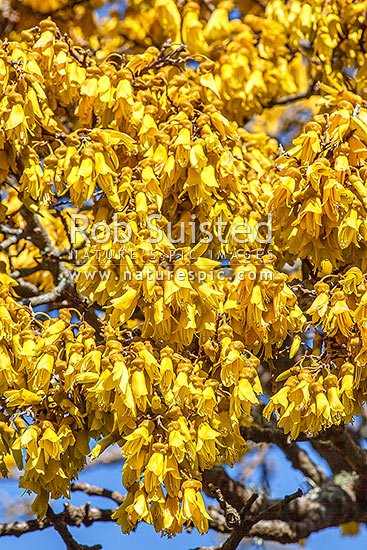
319	198
172	417
329	385
143	138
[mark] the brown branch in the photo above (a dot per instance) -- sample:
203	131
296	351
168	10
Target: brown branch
64	283
248	519
40	237
83	61
354	454
72	515
230	513
233	491
293	98
280	505
322	507
94	490
26	289
60	526
341	442
163	58
25	271
51	296
273	434
336	461
295	517
301	461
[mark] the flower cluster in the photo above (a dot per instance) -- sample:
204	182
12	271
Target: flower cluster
252	45
172	417
262	310
251	50
329	386
296	39
313	398
319	198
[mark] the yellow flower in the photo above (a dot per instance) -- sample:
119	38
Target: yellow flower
155	469
193	508
135	508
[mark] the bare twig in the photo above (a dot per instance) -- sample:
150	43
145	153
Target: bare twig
51	296
94	490
170	58
231	515
292	98
12	239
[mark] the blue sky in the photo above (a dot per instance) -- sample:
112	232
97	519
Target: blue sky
284	480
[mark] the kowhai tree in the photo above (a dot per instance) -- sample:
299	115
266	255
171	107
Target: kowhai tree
183	259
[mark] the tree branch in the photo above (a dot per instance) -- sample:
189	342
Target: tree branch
60	526
94	490
355	455
295	517
26	288
341	441
72	515
12	239
231	514
292	98
233	491
51	296
301	461
39	234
